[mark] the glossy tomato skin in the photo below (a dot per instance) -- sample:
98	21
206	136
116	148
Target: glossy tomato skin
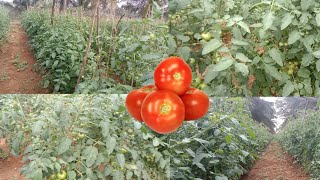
135	98
196	104
163	111
173	74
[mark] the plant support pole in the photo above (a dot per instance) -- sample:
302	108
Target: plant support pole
88	47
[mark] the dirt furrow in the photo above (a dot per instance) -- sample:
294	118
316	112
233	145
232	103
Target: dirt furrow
16	64
276	164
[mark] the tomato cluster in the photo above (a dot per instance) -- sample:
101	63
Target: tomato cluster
165	105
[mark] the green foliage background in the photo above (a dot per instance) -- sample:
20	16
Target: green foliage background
4	22
301	139
258	48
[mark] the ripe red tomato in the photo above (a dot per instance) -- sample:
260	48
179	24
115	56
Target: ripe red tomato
173	74
163	111
135	98
196	104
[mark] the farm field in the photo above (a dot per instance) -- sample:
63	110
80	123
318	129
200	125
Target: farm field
119	59
93	136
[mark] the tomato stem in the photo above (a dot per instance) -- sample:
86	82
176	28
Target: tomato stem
165	108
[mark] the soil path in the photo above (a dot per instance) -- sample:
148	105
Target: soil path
16	64
276	164
10	166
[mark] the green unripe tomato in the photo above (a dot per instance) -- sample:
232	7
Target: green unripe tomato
152	36
53	177
206	36
62	175
292	66
192	60
280	44
80	135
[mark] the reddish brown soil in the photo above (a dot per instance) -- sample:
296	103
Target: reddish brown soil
9	167
13	80
275	164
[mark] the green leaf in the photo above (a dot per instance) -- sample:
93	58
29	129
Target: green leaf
224	63
151	56
211	74
286	21
105	127
183	38
318	19
245	153
199	157
201	166
318	65
243	137
221	178
316	54
275	54
242	57
111	144
244	26
121	160
211	46
184	52
293	37
273	72
240	67
228	138
306	60
268	19
172	45
288	89
37	127
64	145
238	42
303	72
72	174
305	4
90	153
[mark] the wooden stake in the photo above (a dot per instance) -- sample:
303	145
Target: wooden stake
88	47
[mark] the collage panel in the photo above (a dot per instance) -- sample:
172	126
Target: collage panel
94	137
82	47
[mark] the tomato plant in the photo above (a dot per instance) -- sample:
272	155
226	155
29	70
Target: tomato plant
125	60
135	98
173	74
163	111
196	104
255	48
299	138
45	131
4	22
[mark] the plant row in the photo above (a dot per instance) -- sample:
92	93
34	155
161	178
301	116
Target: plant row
128	50
4	22
268	48
301	139
93	137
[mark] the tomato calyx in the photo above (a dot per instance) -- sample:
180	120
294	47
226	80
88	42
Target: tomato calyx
165	109
177	76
